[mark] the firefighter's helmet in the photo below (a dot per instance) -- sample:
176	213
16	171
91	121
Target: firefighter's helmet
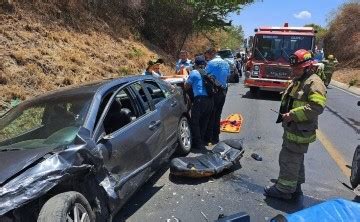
302	58
331	57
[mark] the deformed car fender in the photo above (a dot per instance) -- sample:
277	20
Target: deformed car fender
37	180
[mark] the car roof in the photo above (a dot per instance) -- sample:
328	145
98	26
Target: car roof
91	88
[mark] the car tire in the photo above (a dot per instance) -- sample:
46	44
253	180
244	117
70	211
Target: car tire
66	205
236	77
184	136
355	168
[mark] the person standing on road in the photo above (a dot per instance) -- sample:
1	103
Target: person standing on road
301	104
202	104
219	69
329	67
239	63
183	64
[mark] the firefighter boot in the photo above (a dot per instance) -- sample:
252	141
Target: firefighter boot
298	192
272	191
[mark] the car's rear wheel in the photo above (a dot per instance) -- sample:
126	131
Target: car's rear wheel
67	207
234	77
184	136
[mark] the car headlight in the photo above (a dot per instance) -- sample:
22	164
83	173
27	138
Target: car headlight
256	68
255	73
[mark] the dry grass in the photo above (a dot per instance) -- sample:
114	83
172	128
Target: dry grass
350	77
38	55
343	37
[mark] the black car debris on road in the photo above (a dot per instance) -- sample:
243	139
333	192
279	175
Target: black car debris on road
85	150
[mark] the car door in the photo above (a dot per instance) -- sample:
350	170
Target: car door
176	107
165	105
157	144
128	131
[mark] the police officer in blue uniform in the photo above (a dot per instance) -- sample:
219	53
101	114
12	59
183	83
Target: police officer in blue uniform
184	62
202	104
220	70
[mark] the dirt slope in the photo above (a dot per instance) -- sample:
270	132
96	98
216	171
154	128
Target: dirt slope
38	54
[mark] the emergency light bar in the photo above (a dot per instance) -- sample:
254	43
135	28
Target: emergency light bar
286	29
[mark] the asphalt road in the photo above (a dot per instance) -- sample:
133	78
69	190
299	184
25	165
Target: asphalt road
165	198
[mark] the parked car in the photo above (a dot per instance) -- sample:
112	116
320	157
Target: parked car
79	153
228	56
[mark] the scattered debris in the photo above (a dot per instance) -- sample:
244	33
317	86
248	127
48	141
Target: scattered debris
243	217
224	155
259	137
221	209
204	216
256	157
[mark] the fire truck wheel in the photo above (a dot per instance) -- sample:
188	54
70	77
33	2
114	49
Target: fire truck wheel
253	90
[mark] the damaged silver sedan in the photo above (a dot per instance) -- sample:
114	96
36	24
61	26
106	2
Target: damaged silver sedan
79	153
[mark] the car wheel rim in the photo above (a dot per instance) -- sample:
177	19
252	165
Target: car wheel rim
185	134
78	214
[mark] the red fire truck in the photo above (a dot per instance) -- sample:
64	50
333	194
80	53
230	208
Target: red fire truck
268	66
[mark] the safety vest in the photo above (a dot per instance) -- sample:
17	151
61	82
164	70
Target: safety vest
329	66
304	99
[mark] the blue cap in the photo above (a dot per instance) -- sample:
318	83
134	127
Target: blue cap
200	60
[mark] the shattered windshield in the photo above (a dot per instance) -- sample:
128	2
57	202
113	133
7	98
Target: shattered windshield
274	47
45	123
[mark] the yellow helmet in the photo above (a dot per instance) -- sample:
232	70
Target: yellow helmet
330	57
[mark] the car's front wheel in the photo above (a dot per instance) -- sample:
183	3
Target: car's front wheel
184	136
65	207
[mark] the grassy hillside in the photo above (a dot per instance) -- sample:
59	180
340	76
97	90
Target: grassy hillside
43	47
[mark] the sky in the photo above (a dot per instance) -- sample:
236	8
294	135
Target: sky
277	12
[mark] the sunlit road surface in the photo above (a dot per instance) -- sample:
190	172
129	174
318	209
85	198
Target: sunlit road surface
166	198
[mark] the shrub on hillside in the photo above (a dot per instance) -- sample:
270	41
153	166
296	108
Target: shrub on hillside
343	37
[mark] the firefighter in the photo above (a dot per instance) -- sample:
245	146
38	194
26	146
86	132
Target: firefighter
329	68
302	102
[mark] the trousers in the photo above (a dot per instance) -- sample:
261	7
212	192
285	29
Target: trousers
213	129
200	115
292	169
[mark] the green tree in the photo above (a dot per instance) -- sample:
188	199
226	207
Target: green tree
229	37
211	14
168	23
321	33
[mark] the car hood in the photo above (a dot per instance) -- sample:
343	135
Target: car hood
14	161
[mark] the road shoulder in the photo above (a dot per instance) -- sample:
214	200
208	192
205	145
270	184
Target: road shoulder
347	88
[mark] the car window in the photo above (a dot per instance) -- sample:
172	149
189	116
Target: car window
157	95
167	88
121	112
29	120
140	93
46	122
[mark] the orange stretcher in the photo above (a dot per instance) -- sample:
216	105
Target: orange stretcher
232	124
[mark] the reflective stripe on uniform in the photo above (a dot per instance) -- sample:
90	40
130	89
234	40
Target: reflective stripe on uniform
300	139
287	183
299	113
298	103
318	99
